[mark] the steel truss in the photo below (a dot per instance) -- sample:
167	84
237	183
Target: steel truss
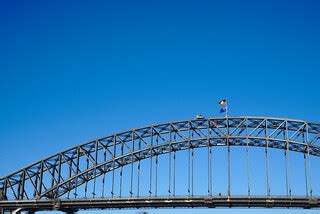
58	175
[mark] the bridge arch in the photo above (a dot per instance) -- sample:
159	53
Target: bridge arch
58	174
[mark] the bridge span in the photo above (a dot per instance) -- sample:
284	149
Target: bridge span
203	162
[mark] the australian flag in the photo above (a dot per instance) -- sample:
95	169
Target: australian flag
224	109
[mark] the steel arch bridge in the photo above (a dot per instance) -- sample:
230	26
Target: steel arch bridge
75	179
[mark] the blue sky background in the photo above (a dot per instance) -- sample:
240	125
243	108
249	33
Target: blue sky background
71	71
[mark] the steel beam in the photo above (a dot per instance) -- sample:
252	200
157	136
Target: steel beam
71	205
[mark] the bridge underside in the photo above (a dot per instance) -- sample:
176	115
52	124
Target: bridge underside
70	205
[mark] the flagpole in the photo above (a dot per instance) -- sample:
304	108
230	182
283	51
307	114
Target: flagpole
227	107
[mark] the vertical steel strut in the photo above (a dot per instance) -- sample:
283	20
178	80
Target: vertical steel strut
121	170
247	159
41	178
169	188
150	175
174	173
286	169
267	157
132	158
305	165
87	177
309	162
192	171
139	162
95	170
174	167
287	158
70	173
209	165
156	188
77	171
104	174
209	172
228	144
189	144
113	164
305	174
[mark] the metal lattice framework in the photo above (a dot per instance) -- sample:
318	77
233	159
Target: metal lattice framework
58	175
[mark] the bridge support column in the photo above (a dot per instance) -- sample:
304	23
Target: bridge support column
1	211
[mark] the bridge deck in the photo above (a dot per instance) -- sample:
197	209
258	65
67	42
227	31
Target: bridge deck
163	202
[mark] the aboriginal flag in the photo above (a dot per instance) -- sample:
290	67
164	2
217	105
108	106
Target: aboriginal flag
223	102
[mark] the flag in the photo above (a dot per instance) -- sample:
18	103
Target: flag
223	109
223	102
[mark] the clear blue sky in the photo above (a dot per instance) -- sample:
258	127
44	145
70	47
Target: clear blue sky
71	71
